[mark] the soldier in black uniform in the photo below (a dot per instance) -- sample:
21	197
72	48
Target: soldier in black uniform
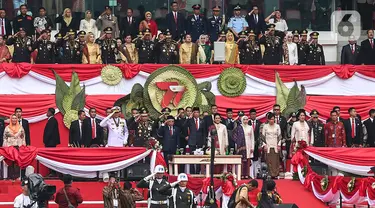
154	183
108	46
180	195
22	46
317	128
196	23
70	49
144	129
302	47
58	47
314	52
165	112
82	42
272	47
167	50
249	49
215	24
46	49
145	47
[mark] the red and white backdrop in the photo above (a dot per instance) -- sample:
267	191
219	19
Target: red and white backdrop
32	88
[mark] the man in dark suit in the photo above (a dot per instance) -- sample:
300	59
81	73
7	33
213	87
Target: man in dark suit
24	123
24	21
349	53
281	120
93	131
129	24
51	136
2	127
209	120
175	22
370	128
353	130
337	109
367	50
196	24
5	26
76	131
195	134
255	124
180	123
230	123
256	21
170	135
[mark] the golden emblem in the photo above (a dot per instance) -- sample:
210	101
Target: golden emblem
111	75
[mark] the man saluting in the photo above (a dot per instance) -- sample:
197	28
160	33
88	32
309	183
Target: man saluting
117	129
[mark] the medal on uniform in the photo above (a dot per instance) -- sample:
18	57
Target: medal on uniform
116	123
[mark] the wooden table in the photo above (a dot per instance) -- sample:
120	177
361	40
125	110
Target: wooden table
205	160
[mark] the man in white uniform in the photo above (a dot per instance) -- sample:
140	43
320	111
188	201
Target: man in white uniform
117	129
23	200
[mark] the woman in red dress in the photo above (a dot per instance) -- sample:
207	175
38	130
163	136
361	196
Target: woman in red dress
150	24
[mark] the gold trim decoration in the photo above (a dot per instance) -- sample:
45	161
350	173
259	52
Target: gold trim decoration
324	183
111	75
351	184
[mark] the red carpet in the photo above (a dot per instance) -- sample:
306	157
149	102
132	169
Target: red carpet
290	191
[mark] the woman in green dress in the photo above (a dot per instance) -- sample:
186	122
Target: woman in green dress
204	51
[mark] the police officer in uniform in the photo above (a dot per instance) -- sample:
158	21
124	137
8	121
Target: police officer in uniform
314	52
180	195
317	129
154	182
302	47
144	129
196	23
22	46
237	23
70	49
215	24
46	49
108	46
145	47
167	50
117	129
58	47
82	42
272	47
249	49
165	112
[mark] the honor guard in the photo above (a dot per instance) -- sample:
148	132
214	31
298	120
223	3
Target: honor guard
117	129
180	195
196	23
317	128
215	24
237	23
272	47
249	50
145	47
58	47
70	48
302	47
314	52
167	50
46	49
154	182
144	129
22	46
108	46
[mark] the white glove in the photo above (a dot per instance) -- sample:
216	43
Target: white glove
174	184
149	177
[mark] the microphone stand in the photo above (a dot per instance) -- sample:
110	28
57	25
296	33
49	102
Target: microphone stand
211	199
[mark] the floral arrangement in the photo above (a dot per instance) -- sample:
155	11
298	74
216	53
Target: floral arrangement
229	177
299	145
324	183
304	171
154	144
351	184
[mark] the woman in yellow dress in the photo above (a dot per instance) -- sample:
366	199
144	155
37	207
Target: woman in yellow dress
231	49
91	51
188	51
129	51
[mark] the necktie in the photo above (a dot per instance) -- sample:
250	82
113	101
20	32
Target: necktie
175	17
372	43
196	123
353	128
254	123
255	18
353	49
171	130
93	129
277	119
129	20
80	129
2	27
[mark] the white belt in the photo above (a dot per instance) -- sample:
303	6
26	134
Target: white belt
159	202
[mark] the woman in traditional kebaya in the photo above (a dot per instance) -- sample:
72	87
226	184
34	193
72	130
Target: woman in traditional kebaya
231	49
149	23
91	51
188	51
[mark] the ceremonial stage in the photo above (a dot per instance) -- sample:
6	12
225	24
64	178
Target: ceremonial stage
291	192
